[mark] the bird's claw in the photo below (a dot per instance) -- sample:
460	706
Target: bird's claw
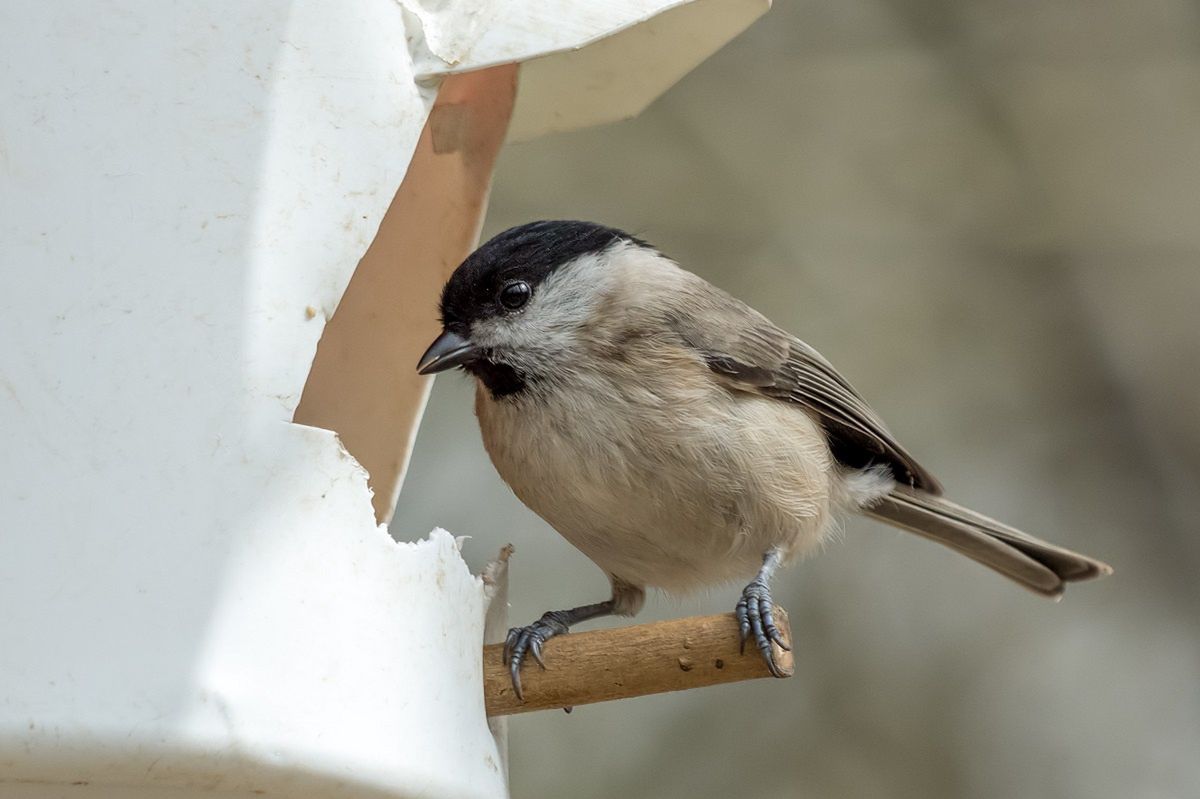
754	617
529	640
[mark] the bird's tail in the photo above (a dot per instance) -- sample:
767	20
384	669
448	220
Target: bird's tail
1035	564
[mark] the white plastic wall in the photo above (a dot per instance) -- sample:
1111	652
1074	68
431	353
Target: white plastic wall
194	590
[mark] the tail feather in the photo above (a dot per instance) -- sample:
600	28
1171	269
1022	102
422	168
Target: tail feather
1035	564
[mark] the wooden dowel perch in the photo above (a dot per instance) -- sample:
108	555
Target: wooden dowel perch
596	666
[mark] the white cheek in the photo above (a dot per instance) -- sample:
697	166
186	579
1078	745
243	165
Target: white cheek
549	324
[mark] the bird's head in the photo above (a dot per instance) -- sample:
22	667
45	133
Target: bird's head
512	312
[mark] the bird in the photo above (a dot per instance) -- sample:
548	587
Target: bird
677	437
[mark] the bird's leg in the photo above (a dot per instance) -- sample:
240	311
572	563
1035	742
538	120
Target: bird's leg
754	611
554	622
626	600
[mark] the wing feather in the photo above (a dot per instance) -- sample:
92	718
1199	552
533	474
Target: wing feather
747	352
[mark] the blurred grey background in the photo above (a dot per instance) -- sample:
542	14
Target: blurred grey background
987	214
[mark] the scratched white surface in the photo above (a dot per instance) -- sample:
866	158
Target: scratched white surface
196	596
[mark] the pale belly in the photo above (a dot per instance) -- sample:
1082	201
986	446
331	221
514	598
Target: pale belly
682	499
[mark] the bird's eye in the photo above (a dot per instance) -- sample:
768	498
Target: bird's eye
514	295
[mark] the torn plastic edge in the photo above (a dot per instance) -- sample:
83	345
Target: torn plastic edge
386	316
429	38
425	74
492	581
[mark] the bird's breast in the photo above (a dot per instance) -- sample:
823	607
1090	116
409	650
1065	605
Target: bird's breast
675	484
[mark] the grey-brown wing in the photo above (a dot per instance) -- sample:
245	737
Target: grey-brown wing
749	353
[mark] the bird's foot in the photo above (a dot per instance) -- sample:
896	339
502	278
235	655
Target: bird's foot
529	640
754	616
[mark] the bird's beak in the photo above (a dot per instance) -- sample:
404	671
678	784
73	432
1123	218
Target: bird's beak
446	352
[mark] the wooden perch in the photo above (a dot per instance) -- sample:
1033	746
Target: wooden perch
582	668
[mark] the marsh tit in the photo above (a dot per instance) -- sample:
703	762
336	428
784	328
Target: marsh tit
676	436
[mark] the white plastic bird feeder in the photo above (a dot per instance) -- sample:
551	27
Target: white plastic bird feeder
196	594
